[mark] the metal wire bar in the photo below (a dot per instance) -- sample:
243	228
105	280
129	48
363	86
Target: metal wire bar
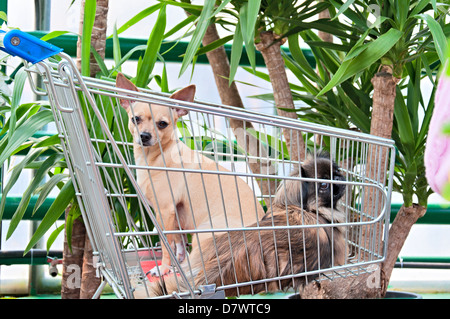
128	224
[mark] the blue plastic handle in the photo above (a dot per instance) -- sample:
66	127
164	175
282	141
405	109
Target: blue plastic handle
28	47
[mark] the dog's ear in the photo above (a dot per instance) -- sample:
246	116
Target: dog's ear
123	83
185	94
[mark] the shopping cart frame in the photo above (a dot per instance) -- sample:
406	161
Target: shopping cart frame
67	71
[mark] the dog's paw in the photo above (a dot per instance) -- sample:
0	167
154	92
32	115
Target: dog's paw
181	252
160	270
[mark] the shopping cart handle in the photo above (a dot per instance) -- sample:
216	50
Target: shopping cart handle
28	47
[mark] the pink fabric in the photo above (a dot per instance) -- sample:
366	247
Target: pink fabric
437	151
148	265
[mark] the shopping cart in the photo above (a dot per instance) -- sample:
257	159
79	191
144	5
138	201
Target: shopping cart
122	222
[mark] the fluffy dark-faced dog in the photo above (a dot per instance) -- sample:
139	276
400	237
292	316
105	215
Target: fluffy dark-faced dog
242	257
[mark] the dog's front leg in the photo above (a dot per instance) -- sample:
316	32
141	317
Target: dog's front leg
177	243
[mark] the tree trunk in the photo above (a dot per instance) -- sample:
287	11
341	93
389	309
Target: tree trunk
89	279
229	95
374	285
398	232
98	37
384	92
271	52
73	260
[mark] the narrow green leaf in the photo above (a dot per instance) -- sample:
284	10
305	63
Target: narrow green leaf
53	236
236	52
374	51
186	6
49	141
248	16
24	132
19	83
14	176
147	64
440	41
45	190
3	16
419	6
73	214
197	37
299	57
60	203
138	17
164	80
446	191
180	26
344	7
126	57
405	127
53	34
100	61
117	54
214	45
220	7
26	196
90	7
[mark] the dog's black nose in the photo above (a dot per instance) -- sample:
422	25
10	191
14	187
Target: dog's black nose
145	138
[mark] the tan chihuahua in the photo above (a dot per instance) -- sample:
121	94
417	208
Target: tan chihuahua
183	200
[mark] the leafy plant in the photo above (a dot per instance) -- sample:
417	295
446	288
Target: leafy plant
25	120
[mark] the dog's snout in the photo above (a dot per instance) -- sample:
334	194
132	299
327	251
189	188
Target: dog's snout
145	138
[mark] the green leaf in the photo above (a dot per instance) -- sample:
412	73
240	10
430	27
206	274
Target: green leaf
3	16
440	41
446	191
248	16
49	141
220	7
23	133
73	214
405	127
60	203
15	173
51	239
19	83
180	25
100	61
26	196
197	37
419	7
45	190
117	54
373	52
145	68
299	57
126	57
214	45
90	7
138	17
236	52
344	7
53	34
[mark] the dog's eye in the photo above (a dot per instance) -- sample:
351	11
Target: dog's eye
136	120
324	186
162	124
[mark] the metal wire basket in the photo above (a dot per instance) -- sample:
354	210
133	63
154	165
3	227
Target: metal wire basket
283	235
